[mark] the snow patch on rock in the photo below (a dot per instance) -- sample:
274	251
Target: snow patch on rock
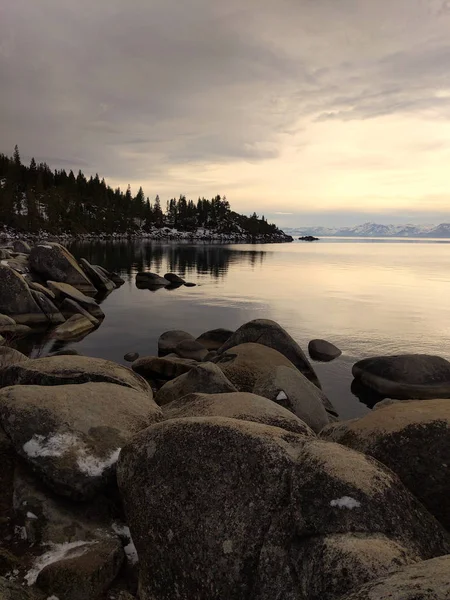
282	396
57	552
345	502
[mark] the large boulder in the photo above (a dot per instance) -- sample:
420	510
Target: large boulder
289	388
169	340
75	327
64	370
323	350
411	438
215	338
85	573
405	376
236	405
223	508
16	300
426	580
205	378
64	290
98	278
54	262
271	334
152	367
72	434
191	349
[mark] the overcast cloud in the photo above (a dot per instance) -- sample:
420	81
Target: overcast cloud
312	107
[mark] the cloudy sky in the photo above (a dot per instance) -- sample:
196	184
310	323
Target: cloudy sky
337	111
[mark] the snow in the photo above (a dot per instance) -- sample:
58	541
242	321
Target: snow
44	246
4	262
130	549
345	502
59	444
31	515
57	552
282	396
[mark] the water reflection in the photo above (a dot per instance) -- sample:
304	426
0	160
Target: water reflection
182	258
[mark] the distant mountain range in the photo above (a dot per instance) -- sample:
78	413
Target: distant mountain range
375	230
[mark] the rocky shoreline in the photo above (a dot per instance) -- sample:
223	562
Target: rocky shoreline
219	469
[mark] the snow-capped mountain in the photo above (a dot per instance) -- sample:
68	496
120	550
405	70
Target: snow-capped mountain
375	230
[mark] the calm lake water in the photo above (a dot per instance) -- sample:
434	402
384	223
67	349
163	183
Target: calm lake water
369	297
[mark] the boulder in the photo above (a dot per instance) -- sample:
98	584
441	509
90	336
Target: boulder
220	508
191	349
9	326
76	326
116	279
70	307
37	287
413	440
215	338
323	351
16	300
53	315
289	388
21	246
426	580
131	356
64	290
236	405
169	340
64	370
406	376
152	367
151	279
98	278
83	573
54	262
172	278
271	334
245	364
205	378
72	434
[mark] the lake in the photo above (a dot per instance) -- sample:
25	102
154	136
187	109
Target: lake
369	297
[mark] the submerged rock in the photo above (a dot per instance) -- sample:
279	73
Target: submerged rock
151	279
271	334
131	356
323	350
72	434
191	349
413	440
406	376
169	340
208	496
54	262
215	338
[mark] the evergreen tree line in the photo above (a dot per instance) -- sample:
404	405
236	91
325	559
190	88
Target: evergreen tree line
35	198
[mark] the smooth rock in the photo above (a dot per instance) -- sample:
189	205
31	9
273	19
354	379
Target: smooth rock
173	278
205	378
37	287
64	290
271	334
70	307
323	351
152	367
85	573
2	340
413	440
76	326
16	300
190	284
289	388
65	370
405	376
195	539
244	365
169	340
55	263
131	356
21	246
152	279
72	434
191	349
97	277
215	338
236	405
53	315
427	580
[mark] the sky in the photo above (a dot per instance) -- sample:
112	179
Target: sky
312	112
